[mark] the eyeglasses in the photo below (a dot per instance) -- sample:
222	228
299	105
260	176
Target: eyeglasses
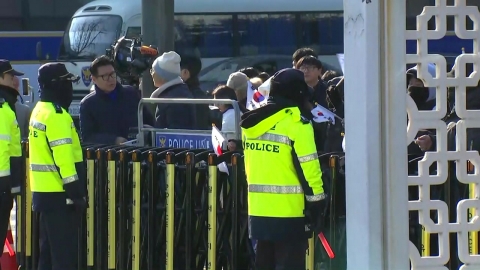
307	68
106	77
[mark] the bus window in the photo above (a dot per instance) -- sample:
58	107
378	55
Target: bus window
219	71
322	32
269	66
133	32
88	37
208	36
266	34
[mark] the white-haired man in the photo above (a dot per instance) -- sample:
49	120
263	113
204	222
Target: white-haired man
166	77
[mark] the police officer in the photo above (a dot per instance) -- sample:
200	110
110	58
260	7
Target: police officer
286	199
10	148
57	173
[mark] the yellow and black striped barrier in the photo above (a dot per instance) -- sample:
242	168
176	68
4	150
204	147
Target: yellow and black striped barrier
157	209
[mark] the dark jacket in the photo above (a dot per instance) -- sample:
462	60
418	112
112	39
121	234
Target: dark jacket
202	111
320	93
174	116
104	117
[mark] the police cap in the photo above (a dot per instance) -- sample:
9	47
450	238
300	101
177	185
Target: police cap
6	68
52	72
290	83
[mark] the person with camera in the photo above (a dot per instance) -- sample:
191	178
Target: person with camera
285	203
109	113
57	170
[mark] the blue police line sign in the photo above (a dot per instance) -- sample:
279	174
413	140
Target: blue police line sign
183	140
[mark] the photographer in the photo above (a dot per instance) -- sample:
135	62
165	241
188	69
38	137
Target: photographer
109	113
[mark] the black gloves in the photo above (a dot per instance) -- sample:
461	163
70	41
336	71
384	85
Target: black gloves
80	205
17	175
315	215
76	192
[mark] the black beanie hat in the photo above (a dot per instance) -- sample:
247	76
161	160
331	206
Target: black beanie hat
290	84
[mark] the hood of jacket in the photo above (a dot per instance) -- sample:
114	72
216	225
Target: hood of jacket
259	121
432	91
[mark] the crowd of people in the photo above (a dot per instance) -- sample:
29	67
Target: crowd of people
108	115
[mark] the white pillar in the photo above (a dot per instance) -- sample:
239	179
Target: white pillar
376	169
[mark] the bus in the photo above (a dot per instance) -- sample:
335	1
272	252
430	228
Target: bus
215	30
20	48
212	29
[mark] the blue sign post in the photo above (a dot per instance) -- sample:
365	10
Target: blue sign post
183	140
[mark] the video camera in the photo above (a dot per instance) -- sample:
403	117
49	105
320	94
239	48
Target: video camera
131	59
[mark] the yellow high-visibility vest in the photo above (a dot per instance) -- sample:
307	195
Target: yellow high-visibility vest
10	145
54	148
282	165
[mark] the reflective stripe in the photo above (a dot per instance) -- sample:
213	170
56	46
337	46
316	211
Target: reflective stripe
4	173
275	189
308	158
70	179
15	190
73	125
275	138
5	137
43	168
60	142
285	190
316	198
38	125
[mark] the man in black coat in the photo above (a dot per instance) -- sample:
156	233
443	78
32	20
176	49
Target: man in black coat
166	77
109	114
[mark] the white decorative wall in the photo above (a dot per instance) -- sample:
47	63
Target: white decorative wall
463	217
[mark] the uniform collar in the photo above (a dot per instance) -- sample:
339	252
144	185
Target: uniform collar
9	94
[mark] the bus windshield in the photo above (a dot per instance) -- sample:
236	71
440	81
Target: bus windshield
88	37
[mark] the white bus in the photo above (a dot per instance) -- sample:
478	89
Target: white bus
212	29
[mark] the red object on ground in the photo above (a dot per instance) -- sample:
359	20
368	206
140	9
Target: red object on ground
9	259
326	245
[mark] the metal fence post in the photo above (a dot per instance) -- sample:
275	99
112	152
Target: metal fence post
212	212
90	155
100	230
152	211
309	257
112	208
235	209
136	205
190	176
28	211
472	236
170	208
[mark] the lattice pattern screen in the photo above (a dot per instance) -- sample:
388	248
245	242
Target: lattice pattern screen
443	201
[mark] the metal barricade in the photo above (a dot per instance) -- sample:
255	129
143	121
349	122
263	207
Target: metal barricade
167	209
142	129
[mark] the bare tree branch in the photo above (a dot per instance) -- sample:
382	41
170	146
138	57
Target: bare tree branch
86	35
